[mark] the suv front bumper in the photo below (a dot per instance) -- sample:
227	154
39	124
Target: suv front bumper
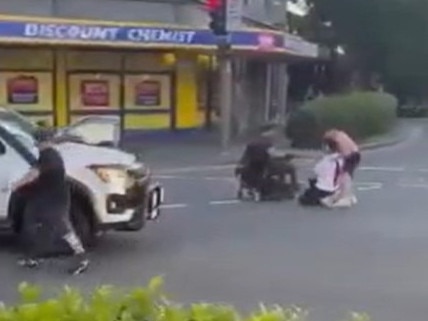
143	200
155	199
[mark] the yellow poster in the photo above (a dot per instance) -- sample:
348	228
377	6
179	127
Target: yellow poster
94	91
26	91
150	91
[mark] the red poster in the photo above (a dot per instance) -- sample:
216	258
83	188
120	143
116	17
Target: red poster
23	90
95	93
147	93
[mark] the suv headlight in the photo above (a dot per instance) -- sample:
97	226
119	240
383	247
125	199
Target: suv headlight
120	174
110	173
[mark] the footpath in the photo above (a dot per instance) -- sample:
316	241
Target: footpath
202	149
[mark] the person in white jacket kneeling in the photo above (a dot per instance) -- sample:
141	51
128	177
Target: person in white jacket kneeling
326	188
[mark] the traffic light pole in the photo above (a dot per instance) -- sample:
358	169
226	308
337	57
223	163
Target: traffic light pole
226	94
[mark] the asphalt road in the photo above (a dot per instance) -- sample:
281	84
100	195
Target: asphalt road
373	257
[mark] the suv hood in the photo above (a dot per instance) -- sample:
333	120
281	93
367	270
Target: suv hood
80	155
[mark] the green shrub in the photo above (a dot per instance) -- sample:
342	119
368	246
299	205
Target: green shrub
361	114
142	304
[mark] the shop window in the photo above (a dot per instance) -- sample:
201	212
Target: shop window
26	91
89	91
148	91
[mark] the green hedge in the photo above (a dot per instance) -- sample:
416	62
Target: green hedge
361	114
142	304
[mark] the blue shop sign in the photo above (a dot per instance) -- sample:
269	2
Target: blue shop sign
93	33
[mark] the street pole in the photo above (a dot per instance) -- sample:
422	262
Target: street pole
225	70
283	111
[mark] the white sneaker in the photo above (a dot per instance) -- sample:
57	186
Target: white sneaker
354	200
343	202
327	201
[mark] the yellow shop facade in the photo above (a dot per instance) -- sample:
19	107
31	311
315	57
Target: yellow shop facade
153	76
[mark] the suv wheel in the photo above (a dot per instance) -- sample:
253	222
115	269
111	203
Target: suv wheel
137	222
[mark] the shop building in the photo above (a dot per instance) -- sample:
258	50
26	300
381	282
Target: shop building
155	77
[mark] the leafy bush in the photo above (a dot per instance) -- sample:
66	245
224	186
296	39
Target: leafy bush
361	114
142	304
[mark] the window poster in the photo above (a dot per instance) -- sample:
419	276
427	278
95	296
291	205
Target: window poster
95	93
148	93
23	90
26	91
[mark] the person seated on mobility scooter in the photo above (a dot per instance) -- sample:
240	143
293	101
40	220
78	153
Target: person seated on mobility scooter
326	188
263	175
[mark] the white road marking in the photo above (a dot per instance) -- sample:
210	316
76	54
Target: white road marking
299	161
195	169
369	187
166	173
173	206
167	177
224	202
384	169
207	178
416	185
220	178
361	186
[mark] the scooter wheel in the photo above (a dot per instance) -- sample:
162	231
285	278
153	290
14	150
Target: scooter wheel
240	194
257	197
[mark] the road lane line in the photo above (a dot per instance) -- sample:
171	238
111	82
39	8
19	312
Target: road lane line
167	177
195	169
224	202
219	178
368	188
173	206
384	169
189	169
199	178
416	185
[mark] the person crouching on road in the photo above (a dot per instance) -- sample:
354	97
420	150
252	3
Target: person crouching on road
325	187
48	211
351	154
255	159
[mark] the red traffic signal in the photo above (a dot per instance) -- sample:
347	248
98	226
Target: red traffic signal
212	5
217	13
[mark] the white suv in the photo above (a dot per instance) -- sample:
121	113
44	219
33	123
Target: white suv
110	189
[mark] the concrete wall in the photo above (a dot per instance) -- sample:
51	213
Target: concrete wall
26	7
267	11
169	11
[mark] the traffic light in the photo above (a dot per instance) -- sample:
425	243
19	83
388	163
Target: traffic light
217	12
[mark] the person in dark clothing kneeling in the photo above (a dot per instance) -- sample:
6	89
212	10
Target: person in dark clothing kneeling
48	210
258	166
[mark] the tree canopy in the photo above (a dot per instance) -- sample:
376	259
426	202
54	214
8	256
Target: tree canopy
386	37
